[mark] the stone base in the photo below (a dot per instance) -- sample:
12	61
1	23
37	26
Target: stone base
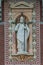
22	52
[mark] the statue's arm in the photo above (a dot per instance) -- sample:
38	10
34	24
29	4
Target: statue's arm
16	27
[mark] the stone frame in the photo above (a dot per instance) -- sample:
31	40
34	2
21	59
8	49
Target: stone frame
37	61
32	40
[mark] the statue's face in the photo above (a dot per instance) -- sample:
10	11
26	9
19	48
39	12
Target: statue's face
21	19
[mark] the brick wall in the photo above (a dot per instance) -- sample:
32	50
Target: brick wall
1	44
1	38
41	32
41	41
6	11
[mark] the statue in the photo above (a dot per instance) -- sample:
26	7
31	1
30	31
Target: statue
22	36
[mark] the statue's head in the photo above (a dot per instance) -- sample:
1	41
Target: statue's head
21	19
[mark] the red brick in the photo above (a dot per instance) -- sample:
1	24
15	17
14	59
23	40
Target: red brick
41	41
1	44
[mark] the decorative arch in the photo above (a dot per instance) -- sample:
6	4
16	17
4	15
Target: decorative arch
19	14
21	4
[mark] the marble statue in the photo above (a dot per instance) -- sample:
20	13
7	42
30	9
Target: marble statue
22	36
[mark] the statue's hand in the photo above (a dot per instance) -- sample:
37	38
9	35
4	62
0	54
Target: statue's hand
16	31
25	28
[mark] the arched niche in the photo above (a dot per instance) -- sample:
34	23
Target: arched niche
15	13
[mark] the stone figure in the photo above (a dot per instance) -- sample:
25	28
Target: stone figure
22	36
